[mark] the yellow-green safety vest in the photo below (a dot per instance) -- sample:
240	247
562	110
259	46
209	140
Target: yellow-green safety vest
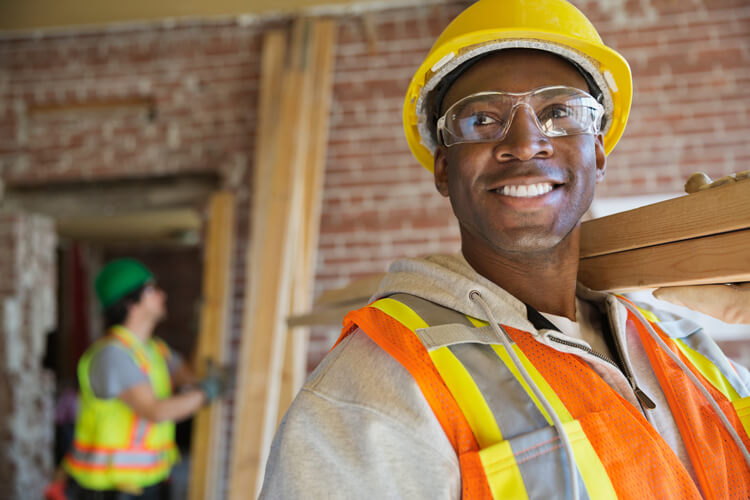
113	448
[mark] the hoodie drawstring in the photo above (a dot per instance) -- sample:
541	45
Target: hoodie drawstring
694	380
503	336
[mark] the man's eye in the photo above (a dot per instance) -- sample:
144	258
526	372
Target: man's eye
483	119
557	111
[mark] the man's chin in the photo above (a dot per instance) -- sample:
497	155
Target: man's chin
527	242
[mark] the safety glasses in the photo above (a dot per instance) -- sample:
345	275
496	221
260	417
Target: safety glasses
486	116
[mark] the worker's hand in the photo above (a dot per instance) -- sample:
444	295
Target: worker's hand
728	303
215	383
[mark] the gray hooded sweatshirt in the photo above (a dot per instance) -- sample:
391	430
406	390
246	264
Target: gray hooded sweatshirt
361	428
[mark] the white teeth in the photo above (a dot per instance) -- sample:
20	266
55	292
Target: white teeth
527	191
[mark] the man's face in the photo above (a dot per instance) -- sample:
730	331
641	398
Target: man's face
153	302
475	175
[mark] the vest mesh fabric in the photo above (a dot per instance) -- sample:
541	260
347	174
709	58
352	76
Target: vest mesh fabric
617	430
708	443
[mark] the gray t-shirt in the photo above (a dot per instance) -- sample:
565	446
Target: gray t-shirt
113	371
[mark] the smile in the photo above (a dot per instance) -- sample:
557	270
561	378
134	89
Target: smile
526	191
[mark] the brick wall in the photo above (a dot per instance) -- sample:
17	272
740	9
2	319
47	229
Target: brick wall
27	315
181	98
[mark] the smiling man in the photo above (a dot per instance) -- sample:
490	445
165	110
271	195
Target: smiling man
492	373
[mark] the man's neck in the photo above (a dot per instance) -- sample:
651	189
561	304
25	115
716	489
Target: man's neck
544	280
142	328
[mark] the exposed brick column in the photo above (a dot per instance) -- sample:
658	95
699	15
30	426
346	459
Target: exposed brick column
27	314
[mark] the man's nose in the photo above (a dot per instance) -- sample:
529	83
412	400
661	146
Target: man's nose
523	140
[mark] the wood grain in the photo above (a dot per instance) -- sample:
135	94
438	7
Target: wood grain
322	36
713	211
207	434
280	261
723	258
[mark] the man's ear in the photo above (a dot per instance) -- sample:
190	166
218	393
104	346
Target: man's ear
441	171
601	158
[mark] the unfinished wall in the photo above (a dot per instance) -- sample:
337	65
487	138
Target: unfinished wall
157	100
27	315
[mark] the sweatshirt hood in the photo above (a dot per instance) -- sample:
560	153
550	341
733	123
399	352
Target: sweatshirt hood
448	280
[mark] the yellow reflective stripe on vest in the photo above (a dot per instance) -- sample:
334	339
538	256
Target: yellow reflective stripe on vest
705	366
468	396
455	376
501	470
709	370
594	475
400	312
742	407
536	377
540	382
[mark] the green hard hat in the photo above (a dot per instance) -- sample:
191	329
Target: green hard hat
120	277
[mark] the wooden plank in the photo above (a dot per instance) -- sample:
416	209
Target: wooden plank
322	44
207	430
147	104
112	197
722	258
715	210
331	316
173	225
269	276
359	289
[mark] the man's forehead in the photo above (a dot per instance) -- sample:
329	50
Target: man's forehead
514	70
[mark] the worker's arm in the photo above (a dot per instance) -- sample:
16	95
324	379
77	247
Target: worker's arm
360	428
728	303
182	375
143	402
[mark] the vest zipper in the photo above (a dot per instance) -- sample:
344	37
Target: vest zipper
642	396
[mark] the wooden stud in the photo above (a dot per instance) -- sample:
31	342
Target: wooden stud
207	438
715	210
270	268
322	40
722	258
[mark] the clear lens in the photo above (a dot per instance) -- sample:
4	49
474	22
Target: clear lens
485	117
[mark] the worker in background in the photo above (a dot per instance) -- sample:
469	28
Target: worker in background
493	373
124	442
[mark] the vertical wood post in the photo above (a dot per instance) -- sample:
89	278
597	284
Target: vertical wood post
207	437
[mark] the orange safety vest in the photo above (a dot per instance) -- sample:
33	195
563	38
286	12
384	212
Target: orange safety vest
502	435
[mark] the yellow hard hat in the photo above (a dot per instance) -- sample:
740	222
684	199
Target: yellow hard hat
489	25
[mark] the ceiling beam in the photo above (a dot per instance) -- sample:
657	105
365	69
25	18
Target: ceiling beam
111	198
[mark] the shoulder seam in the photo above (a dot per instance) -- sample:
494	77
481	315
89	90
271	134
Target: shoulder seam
397	425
